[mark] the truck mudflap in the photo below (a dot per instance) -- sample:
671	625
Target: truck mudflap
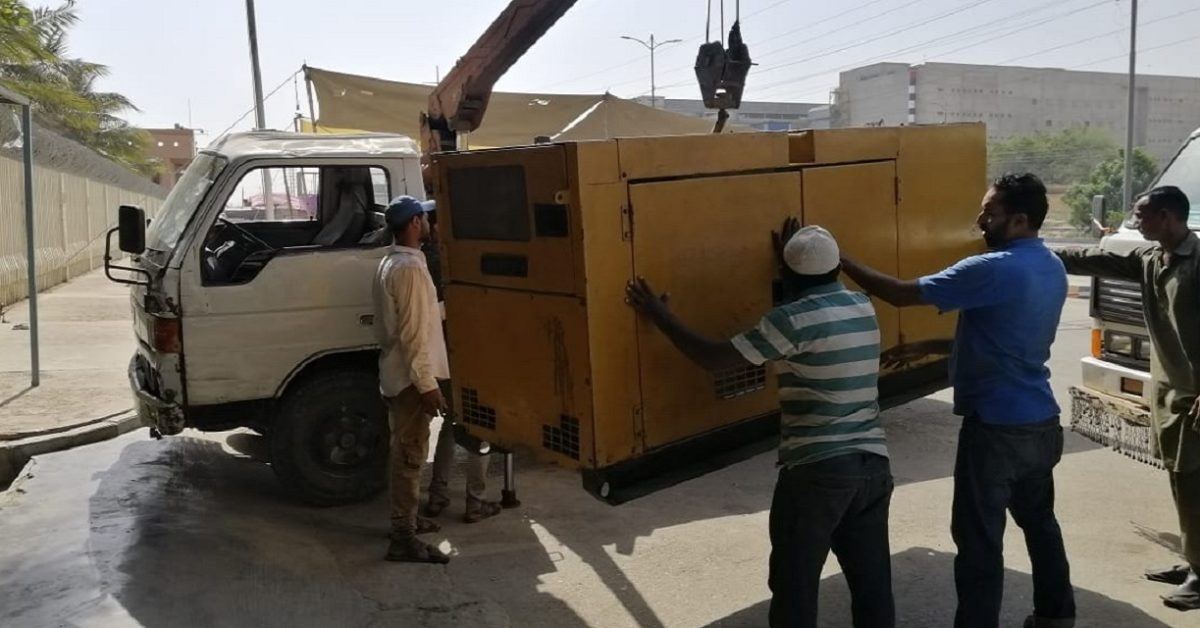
1114	423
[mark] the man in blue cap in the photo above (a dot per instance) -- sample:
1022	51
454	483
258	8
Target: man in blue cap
412	358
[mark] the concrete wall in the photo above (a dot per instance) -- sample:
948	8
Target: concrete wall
76	195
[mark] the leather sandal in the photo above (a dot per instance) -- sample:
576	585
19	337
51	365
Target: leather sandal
435	506
1176	574
413	550
478	511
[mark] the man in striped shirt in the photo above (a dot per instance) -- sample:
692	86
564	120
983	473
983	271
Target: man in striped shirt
835	484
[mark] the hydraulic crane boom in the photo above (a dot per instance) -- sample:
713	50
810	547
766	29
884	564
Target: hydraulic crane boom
459	101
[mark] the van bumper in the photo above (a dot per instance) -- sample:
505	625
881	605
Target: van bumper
164	416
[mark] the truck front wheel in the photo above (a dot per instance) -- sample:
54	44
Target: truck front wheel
329	443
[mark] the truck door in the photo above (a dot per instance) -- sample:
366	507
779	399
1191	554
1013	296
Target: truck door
281	271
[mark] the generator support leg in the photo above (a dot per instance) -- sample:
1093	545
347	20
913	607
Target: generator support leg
508	496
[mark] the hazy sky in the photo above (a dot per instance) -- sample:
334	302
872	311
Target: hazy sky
165	53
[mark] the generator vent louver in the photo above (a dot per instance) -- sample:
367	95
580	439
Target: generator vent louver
562	438
739	381
476	413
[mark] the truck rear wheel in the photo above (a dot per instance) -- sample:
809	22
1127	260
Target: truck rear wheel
329	443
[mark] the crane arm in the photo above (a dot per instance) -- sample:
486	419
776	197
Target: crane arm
459	101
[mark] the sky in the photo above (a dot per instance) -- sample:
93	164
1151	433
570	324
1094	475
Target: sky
187	62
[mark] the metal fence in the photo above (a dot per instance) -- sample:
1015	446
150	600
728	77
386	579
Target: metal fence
72	213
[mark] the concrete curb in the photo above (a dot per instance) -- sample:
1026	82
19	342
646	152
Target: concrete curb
15	454
20	436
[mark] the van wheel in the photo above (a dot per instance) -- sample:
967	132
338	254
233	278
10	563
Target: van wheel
329	443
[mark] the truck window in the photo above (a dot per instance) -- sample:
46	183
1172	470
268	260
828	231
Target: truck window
1184	173
279	208
274	195
181	203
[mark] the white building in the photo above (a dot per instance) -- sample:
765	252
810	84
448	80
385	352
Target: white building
1015	101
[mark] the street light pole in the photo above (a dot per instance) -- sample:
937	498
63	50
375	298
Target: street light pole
260	113
652	46
1127	188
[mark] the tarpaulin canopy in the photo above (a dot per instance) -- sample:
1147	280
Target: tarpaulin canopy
349	102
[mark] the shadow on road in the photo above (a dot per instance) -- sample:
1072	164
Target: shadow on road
921	575
188	533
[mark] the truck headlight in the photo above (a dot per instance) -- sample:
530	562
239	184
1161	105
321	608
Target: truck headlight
1119	344
1144	349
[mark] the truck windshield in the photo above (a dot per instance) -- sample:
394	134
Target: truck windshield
1184	173
181	203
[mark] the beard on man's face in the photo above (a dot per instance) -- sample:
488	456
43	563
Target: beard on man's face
996	235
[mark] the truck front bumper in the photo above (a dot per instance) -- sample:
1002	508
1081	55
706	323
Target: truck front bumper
161	415
1113	422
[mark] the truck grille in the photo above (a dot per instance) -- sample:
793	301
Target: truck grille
1119	302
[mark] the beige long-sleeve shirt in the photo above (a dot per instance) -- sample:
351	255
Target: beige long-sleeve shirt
408	324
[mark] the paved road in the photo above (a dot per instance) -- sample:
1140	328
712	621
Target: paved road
194	532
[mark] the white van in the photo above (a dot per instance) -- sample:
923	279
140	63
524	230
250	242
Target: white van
252	301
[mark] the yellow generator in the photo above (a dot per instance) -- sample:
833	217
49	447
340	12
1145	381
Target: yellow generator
540	241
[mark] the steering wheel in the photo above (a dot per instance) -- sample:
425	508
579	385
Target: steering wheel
242	230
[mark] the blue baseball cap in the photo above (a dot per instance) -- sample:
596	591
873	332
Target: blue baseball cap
403	208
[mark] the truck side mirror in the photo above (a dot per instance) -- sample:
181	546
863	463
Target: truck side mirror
131	229
1098	210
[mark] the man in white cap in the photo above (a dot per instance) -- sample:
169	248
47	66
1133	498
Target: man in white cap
412	358
835	482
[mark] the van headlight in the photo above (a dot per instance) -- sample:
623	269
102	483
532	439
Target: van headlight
1119	344
1143	349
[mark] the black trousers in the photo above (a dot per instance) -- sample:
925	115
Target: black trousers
839	504
999	468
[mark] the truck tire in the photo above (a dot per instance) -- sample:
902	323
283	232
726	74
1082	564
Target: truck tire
329	443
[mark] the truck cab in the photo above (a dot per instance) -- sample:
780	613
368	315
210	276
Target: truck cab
252	301
1112	404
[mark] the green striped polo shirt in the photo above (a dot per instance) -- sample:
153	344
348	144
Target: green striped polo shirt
826	348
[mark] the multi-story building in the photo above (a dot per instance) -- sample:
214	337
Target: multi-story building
1017	101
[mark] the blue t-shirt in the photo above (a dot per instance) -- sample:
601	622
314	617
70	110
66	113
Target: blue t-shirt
1010	302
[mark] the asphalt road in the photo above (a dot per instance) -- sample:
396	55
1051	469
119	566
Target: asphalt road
193	531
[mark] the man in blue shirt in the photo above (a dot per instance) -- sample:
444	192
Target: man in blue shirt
1009	300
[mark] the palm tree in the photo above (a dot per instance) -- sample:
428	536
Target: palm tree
34	62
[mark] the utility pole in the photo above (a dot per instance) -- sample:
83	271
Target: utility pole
1127	188
260	113
652	46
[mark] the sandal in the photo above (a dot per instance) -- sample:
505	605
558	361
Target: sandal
427	526
478	511
413	550
1177	574
435	506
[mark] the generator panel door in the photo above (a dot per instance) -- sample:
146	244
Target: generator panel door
507	219
707	243
857	204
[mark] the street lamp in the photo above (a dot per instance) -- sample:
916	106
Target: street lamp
652	46
1127	186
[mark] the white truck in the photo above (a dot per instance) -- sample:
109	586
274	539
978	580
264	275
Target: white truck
252	302
1112	404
